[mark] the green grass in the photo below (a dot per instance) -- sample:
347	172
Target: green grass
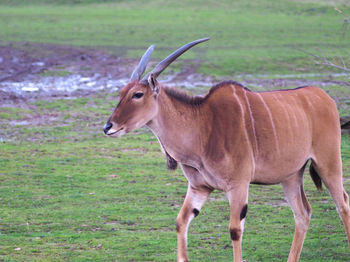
68	193
61	73
246	36
11	113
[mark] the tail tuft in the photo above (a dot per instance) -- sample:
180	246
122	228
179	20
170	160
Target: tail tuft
315	177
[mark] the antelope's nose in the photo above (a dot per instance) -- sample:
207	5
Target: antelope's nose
107	126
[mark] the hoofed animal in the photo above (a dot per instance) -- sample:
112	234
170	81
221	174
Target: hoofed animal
233	137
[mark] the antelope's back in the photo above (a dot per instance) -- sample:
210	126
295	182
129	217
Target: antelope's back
291	125
308	110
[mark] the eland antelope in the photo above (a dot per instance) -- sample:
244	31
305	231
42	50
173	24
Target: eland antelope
233	137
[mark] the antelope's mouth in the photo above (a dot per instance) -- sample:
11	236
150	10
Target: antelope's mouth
116	133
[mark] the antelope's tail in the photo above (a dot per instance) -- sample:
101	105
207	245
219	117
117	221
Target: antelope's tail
315	177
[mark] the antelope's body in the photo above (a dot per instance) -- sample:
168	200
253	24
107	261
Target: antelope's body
233	137
268	136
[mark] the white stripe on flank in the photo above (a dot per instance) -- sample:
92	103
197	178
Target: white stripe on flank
309	101
316	96
239	103
252	121
283	106
293	111
243	120
295	119
271	119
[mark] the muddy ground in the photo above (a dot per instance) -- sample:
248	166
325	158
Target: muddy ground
24	64
41	70
30	72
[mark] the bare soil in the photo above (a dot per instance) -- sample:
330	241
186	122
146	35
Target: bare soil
20	61
23	67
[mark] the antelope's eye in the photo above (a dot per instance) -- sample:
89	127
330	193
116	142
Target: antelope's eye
137	95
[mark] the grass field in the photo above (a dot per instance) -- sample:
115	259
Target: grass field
246	36
68	193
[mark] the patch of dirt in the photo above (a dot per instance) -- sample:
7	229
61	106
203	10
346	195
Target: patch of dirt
19	61
35	70
277	203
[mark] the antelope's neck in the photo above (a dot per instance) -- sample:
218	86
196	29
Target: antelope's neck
177	127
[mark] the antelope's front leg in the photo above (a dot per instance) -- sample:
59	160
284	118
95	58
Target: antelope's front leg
194	201
238	198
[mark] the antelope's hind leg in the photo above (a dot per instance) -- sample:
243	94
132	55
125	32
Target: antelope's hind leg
295	195
327	163
195	198
331	174
238	198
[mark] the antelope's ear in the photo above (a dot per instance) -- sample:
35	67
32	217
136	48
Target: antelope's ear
153	83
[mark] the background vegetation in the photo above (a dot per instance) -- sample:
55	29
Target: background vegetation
246	36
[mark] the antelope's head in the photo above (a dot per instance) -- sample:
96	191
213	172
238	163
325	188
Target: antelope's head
138	99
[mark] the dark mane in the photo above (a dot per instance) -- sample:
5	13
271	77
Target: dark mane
228	82
183	97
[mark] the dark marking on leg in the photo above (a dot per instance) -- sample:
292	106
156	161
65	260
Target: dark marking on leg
178	227
244	212
195	212
305	202
235	234
346	198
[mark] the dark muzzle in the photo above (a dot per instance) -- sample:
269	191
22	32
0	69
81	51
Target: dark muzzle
107	126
